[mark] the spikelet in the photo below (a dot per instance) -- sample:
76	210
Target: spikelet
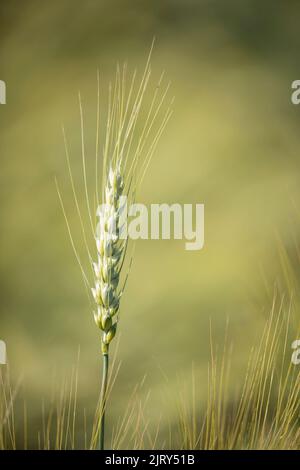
110	251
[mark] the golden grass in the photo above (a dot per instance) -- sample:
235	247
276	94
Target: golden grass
262	414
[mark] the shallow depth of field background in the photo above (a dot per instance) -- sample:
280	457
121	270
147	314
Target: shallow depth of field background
233	143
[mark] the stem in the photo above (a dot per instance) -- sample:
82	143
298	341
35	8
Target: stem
103	400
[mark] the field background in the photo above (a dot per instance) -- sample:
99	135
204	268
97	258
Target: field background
233	143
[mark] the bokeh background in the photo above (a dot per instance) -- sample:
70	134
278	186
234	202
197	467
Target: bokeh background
233	143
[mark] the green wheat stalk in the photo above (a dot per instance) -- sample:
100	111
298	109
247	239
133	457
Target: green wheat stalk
131	137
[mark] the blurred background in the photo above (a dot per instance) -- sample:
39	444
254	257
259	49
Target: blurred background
233	143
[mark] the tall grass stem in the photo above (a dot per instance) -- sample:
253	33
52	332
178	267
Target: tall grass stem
103	401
